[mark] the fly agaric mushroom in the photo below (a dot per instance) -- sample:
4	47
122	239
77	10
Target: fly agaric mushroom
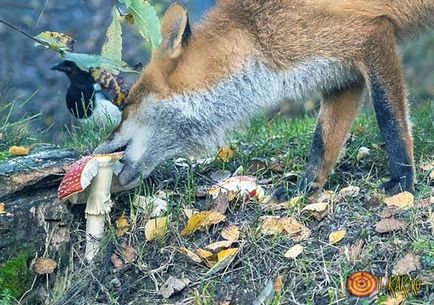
92	174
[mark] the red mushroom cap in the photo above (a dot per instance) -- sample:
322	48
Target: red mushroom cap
75	182
71	182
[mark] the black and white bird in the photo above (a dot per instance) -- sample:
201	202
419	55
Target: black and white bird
84	97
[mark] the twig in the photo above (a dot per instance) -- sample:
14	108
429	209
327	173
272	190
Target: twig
40	15
24	33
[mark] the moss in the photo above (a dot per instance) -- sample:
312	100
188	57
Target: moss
15	275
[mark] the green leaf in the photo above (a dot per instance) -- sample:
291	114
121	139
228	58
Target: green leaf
56	41
145	20
112	47
87	61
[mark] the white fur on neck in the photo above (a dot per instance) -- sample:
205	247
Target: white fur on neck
233	102
196	122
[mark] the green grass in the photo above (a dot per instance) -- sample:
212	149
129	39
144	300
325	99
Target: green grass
317	277
87	135
13	132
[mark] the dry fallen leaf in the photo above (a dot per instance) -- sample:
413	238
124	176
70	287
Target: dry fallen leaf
278	284
429	167
324	196
362	153
205	254
271	226
156	228
407	264
225	154
274	226
290	225
231	233
202	220
19	151
302	235
122	226
373	202
294	251
2	208
221	203
173	286
239	187
42	265
317	210
154	206
403	200
129	253
349	192
224	258
337	236
193	256
396	299
117	262
189	212
389	225
389	212
226	253
219	245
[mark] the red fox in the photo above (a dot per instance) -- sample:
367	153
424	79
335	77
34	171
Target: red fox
250	55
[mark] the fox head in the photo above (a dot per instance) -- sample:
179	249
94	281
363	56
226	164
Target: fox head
136	134
197	87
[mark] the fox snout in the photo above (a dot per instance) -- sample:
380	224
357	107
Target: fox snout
130	174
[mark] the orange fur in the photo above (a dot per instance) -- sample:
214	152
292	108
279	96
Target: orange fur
284	35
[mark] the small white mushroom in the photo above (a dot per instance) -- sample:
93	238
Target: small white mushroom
93	174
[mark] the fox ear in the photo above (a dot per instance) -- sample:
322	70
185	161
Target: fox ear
175	30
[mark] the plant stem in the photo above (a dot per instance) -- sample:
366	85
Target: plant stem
98	205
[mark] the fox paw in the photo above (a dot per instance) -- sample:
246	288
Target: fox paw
393	187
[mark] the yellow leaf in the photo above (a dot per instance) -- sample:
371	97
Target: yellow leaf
19	151
122	226
57	41
219	245
2	208
231	233
290	225
225	154
156	228
294	251
337	236
208	257
204	253
278	284
223	254
271	226
202	220
223	259
317	210
193	256
403	200
302	235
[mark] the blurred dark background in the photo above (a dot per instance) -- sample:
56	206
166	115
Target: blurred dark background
25	70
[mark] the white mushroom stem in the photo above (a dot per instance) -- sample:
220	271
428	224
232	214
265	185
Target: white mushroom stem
98	206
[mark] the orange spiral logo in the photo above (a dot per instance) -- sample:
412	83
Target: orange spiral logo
361	284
